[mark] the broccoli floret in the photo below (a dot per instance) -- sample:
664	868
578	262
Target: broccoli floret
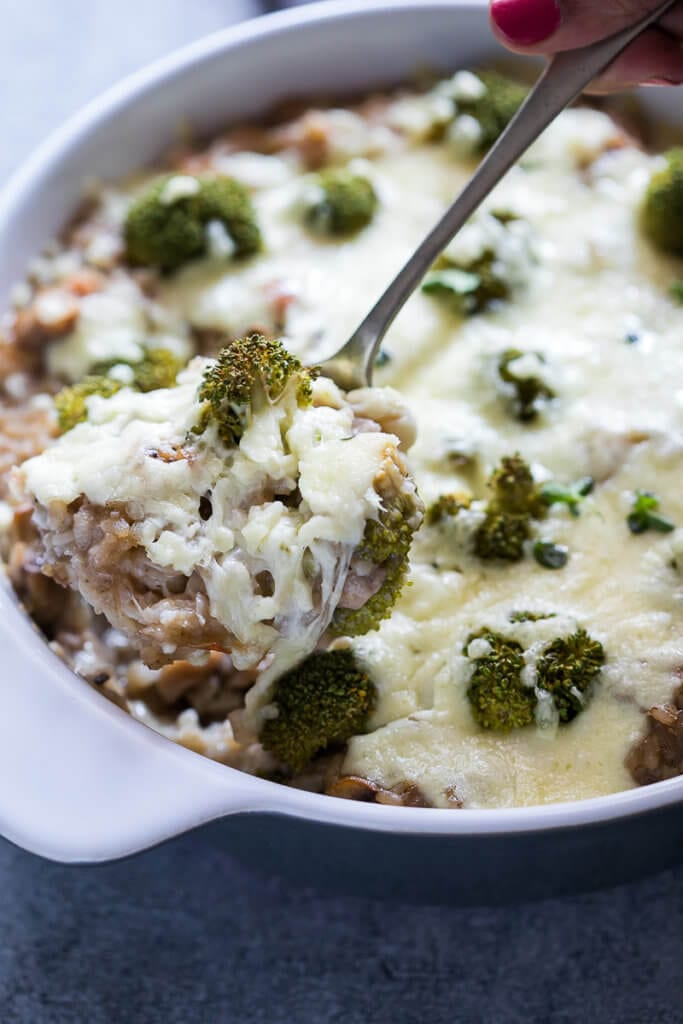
386	544
158	368
166	232
514	489
515	502
247	373
347	203
468	286
662	210
495	108
498	698
323	701
502	536
567	669
529	392
468	289
70	402
446	506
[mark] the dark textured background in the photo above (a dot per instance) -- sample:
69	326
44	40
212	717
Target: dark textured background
182	935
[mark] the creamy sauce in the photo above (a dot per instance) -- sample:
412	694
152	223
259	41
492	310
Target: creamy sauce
592	297
595	282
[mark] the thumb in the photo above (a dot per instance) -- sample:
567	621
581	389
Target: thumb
547	26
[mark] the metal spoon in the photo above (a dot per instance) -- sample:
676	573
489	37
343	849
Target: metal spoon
564	78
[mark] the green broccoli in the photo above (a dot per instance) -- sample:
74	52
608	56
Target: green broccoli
525	616
515	502
247	373
529	392
70	402
347	203
469	288
567	669
446	506
157	368
515	492
386	544
495	108
502	536
662	210
498	698
168	233
323	701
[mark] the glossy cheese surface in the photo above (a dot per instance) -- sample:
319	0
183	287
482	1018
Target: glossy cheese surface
591	307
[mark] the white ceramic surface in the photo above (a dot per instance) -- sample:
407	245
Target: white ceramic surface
79	779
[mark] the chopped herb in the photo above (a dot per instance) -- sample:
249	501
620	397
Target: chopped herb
644	515
570	495
632	338
676	291
382	359
549	555
529	391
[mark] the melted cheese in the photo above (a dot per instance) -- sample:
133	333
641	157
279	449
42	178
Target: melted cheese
116	323
587	282
118	456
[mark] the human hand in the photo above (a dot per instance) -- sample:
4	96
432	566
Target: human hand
549	26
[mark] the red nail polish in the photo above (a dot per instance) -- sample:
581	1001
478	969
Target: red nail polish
662	81
525	22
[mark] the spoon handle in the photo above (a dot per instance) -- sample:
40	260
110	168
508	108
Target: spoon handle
564	78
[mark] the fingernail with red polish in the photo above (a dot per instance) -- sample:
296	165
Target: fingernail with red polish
525	22
662	81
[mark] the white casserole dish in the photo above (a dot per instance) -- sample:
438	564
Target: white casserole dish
84	782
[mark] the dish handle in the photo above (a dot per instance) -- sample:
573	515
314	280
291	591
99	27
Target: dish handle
80	781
